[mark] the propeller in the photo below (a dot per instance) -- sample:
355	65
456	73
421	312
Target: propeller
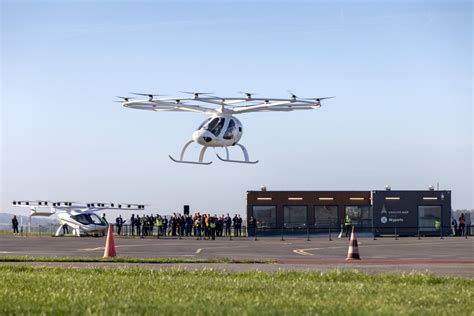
318	99
293	96
125	99
196	94
248	94
149	95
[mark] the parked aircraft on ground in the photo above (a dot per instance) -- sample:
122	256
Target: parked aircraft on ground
81	218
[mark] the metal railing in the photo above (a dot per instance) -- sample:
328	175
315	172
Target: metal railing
260	231
179	232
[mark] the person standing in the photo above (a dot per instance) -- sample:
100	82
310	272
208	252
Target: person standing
347	225
182	227
159	225
132	223
197	227
235	221
189	228
104	219
228	224
220	226
15	224
174	224
437	223
454	223
207	226
165	226
239	225
144	223
65	229
252	223
138	225
119	221
212	226
462	224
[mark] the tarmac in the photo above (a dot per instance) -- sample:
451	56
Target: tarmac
453	256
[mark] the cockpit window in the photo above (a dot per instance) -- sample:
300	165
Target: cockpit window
229	133
212	124
217	130
87	219
84	219
96	219
204	123
215	126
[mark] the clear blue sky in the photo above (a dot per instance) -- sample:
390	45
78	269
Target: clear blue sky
401	71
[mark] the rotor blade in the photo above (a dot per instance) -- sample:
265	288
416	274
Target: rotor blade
248	94
125	98
147	94
318	99
189	92
243	92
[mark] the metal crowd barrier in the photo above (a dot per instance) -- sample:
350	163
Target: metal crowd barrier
263	231
332	231
178	232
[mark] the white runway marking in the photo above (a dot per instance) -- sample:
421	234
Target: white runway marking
93	249
6	252
199	250
303	251
119	246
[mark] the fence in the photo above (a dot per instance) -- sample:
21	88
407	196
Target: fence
177	232
260	231
374	231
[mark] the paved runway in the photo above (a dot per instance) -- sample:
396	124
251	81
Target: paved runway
448	256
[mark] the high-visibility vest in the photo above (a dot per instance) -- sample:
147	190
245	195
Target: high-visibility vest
213	225
348	221
158	222
437	224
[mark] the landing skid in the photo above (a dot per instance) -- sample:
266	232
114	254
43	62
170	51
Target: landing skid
201	156
191	162
246	156
237	161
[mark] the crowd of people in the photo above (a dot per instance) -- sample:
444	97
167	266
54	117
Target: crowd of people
199	226
459	227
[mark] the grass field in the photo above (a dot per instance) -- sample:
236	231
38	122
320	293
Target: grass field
128	259
26	290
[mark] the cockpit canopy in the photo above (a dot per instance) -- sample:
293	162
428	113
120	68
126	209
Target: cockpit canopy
88	219
216	125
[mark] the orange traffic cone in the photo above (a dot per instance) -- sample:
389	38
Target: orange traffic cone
353	252
109	244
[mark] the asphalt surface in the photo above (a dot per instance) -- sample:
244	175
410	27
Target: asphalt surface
448	256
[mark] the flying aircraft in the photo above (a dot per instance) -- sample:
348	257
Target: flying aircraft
80	217
221	128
